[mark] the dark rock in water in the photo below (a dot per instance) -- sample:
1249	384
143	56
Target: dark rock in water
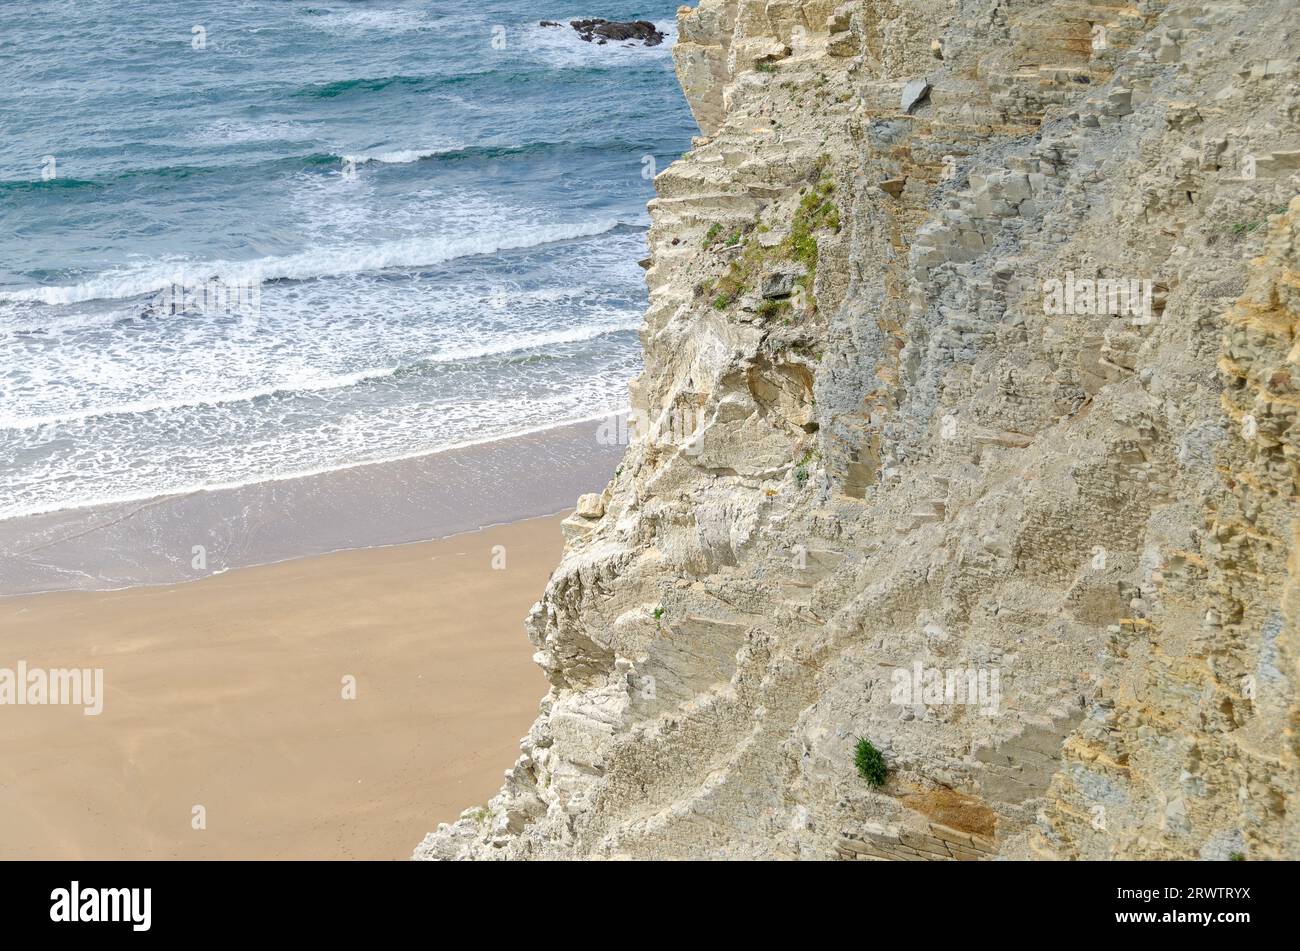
605	30
548	23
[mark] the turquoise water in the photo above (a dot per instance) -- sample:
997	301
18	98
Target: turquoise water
243	241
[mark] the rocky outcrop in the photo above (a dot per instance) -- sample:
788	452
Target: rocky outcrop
603	31
966	427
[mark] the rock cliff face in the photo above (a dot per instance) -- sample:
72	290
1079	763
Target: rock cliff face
968	427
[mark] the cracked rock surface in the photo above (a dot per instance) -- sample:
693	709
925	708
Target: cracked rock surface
871	441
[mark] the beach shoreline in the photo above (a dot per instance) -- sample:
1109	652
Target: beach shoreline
187	537
226	700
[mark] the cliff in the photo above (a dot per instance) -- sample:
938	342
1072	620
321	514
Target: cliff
970	360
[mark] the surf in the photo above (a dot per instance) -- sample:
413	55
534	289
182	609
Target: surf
130	283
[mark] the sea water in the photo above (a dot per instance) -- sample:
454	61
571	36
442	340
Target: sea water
243	241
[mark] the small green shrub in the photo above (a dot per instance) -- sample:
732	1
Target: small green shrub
659	613
715	229
871	765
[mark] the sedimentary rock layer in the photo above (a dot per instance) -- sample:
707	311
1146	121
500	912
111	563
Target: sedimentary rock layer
970	350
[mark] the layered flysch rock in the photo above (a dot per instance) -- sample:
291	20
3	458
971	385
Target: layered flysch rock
971	353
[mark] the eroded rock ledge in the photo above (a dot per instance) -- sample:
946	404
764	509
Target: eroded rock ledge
872	448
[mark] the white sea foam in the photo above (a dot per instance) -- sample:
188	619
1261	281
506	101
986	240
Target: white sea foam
140	481
389	21
310	382
92	360
137	281
401	156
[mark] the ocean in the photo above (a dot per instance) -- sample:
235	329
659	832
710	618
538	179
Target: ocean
242	242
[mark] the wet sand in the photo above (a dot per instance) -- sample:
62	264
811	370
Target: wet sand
192	536
227	693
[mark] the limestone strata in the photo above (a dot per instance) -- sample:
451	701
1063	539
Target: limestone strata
868	446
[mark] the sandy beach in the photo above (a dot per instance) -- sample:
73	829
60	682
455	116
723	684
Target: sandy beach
227	693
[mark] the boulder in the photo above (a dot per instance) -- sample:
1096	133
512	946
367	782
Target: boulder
591	505
603	31
779	284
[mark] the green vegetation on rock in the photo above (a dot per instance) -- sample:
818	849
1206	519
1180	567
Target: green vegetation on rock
817	212
870	763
